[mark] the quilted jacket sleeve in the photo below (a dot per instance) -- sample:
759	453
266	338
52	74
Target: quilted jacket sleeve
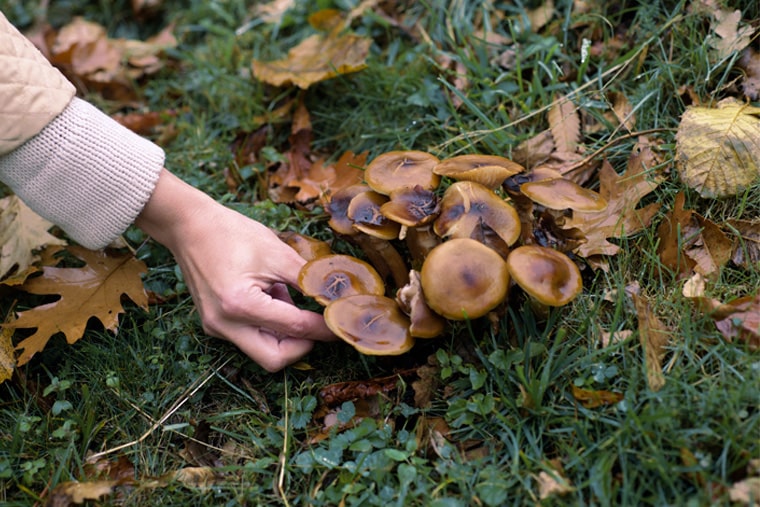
63	157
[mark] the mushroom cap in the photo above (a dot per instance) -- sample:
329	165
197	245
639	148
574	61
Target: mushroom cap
411	206
337	208
424	323
338	276
464	279
364	212
488	170
467	205
374	325
307	247
561	193
398	169
548	275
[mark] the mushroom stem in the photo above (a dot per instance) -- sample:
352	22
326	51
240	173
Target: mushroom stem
384	257
421	240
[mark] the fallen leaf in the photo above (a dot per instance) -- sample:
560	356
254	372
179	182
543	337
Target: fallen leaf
730	34
654	337
534	150
621	218
718	149
552	484
740	320
22	231
747	249
691	243
317	58
272	12
73	492
746	492
592	399
196	477
565	125
613	337
750	63
7	353
94	290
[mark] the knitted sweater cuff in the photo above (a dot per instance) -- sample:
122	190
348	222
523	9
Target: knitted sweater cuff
86	173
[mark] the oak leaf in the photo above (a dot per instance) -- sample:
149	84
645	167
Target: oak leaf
317	58
22	232
93	290
621	217
565	125
718	149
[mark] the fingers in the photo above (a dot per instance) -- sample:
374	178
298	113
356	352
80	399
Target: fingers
271	352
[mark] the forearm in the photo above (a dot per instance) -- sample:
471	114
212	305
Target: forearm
85	173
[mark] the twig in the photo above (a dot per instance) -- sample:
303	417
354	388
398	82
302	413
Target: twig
284	453
189	393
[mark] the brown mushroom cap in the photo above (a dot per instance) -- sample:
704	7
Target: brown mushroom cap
424	323
337	208
374	325
548	275
398	169
561	193
337	276
488	170
467	205
464	279
364	211
307	247
411	206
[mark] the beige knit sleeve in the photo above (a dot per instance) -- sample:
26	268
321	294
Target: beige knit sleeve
85	173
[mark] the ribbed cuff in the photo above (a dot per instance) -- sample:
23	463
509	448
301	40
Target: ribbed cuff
86	173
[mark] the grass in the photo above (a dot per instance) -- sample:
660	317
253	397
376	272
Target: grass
505	394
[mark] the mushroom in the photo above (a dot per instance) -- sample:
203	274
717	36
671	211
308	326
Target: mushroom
424	323
415	209
464	279
338	276
374	325
381	254
398	169
307	247
364	212
488	170
549	276
561	194
466	206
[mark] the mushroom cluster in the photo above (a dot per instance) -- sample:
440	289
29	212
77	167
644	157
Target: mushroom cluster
465	241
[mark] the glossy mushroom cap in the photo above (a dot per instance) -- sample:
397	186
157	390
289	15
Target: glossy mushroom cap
424	323
467	205
398	169
338	276
547	275
364	212
307	247
464	279
337	208
374	325
488	170
411	206
561	193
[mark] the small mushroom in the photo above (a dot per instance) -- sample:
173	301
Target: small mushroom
337	208
561	194
467	206
364	212
464	279
415	209
374	325
547	275
307	247
488	170
398	169
338	276
424	323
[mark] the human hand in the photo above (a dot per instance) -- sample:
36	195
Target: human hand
237	271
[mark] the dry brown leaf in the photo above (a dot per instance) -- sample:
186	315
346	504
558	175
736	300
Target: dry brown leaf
750	63
534	150
317	58
621	217
272	12
730	33
553	484
654	337
94	290
7	354
196	477
565	125
22	231
747	249
592	399
73	492
718	149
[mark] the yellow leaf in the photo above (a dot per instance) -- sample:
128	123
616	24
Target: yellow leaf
73	492
7	354
22	232
718	149
317	58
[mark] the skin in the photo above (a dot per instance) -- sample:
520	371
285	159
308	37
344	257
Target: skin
237	271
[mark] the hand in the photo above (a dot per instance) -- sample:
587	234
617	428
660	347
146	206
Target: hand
237	271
